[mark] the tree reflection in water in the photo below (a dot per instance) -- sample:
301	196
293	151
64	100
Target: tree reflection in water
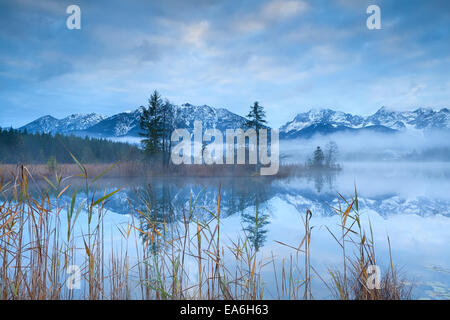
164	204
255	221
155	212
322	178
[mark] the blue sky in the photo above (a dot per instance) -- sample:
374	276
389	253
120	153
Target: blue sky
291	55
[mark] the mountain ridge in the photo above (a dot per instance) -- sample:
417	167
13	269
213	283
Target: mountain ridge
126	124
326	121
72	123
304	125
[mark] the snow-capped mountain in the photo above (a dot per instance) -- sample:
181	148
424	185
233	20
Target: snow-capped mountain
119	125
422	118
212	118
323	116
126	124
304	125
326	121
46	124
78	122
70	124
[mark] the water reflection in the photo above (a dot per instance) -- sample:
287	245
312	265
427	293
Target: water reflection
256	219
162	203
154	211
409	202
321	178
385	189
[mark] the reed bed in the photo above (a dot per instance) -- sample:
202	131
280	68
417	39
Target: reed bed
43	248
137	169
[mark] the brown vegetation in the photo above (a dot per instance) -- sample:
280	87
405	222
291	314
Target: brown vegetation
141	169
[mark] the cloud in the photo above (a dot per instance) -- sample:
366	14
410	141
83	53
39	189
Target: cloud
275	11
290	55
48	71
54	7
282	9
195	34
148	51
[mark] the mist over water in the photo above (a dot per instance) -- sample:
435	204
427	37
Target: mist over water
414	145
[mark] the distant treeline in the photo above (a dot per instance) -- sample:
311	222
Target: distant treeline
429	154
22	147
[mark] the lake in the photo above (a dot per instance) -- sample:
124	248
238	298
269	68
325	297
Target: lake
408	202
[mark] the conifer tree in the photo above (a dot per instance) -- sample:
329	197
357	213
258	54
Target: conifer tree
152	126
318	158
256	120
256	117
167	126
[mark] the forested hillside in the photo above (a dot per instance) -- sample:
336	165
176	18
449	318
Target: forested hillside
16	146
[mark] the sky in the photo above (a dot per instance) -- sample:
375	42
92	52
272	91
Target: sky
290	55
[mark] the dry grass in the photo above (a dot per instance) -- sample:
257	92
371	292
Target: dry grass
123	169
359	258
133	169
39	242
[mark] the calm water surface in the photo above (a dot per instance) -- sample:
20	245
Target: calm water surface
409	202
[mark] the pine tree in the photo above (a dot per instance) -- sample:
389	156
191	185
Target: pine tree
256	117
318	158
256	121
167	126
151	124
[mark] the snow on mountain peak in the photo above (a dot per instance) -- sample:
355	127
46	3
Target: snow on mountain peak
74	122
421	118
321	116
127	123
323	120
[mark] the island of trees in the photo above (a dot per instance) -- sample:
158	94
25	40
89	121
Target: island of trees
157	122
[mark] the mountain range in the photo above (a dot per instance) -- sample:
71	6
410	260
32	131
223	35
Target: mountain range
68	125
304	125
126	124
326	121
